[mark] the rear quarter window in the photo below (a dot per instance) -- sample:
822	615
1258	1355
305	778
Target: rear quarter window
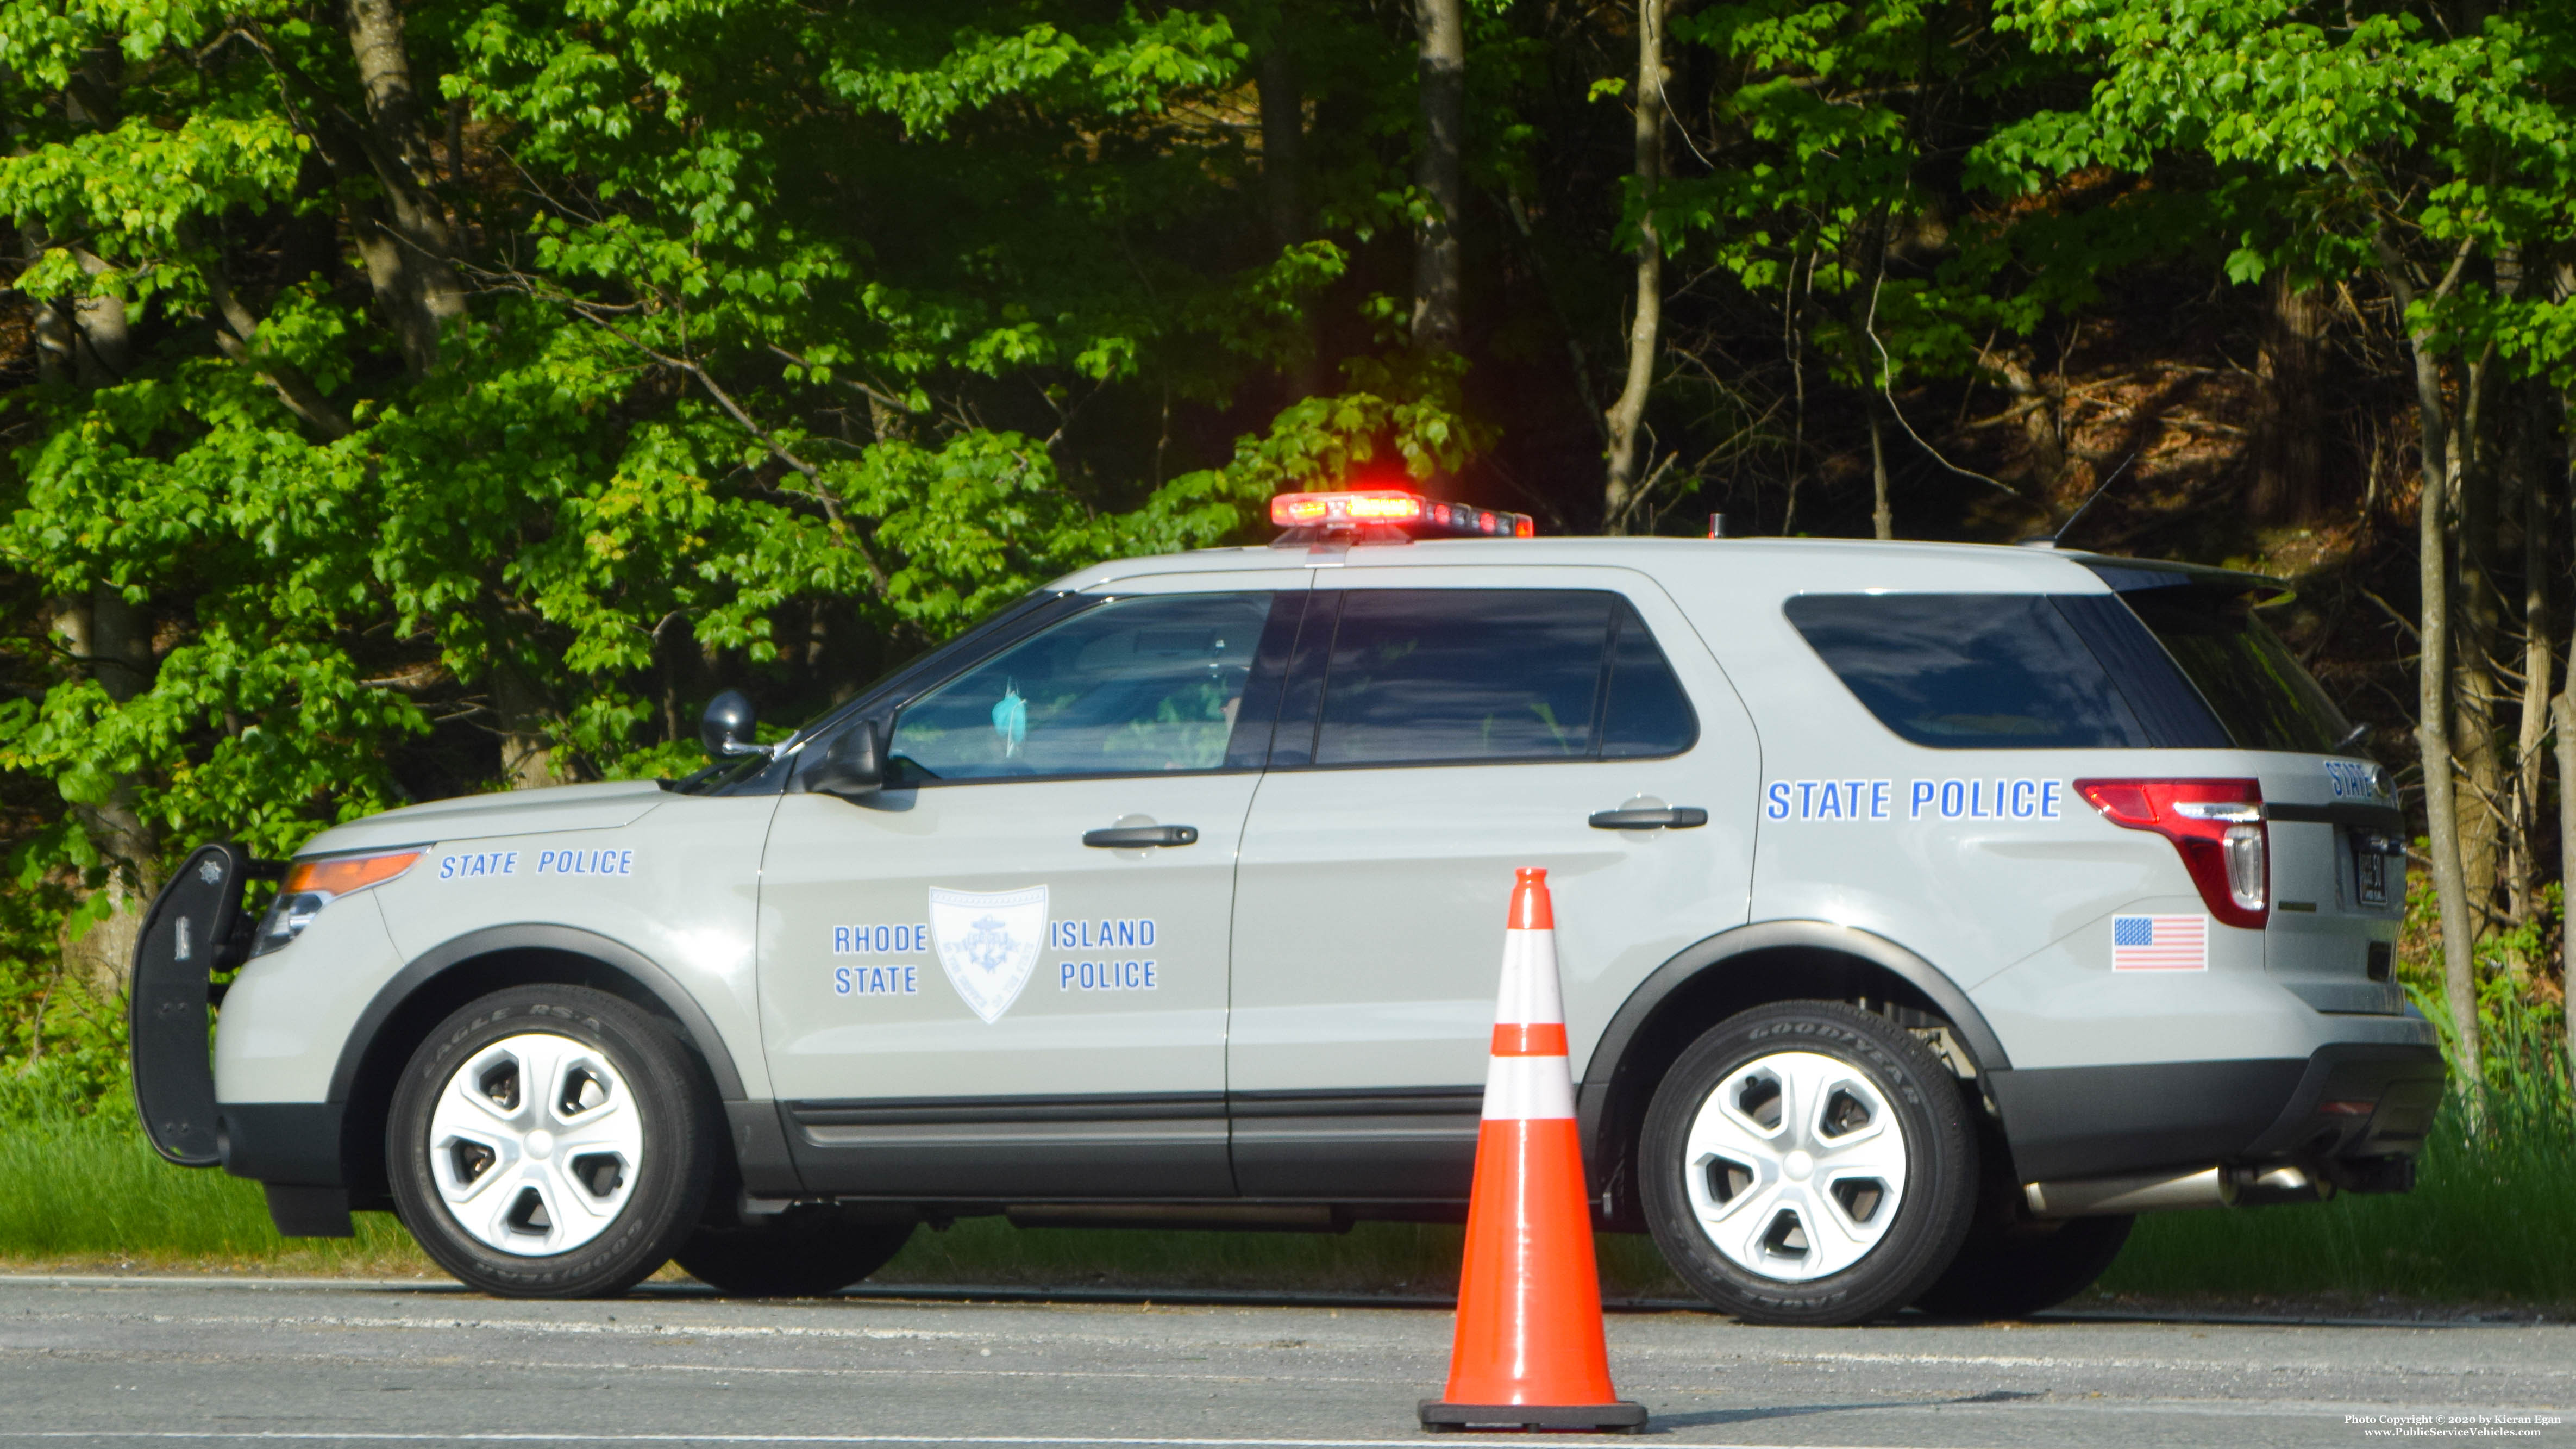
1969	671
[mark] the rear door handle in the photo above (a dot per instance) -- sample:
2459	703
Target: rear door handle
1679	817
1138	837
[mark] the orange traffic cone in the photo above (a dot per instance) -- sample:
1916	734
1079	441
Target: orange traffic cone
1529	1352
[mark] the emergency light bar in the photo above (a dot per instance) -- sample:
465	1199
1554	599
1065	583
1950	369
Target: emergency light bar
1313	515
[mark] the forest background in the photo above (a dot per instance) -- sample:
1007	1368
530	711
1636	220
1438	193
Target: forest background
403	400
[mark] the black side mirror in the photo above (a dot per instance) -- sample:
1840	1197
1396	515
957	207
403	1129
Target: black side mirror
727	726
853	764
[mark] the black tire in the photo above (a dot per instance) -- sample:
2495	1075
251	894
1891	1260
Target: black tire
2011	1270
679	1137
806	1253
1935	1203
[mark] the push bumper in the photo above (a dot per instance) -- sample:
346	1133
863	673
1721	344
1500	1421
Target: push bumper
195	930
2357	1113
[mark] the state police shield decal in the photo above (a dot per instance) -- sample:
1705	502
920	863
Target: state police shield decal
988	943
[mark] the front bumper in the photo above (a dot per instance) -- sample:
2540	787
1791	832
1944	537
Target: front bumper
2079	1122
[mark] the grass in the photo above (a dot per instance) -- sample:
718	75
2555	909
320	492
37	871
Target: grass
2492	1221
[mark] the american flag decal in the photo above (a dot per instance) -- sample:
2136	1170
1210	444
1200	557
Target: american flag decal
2160	943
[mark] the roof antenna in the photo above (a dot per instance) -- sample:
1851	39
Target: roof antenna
2049	540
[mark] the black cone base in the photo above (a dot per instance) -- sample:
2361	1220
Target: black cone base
1621	1416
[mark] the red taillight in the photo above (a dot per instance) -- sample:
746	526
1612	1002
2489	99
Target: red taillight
2218	827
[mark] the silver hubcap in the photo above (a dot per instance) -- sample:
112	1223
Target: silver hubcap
1795	1166
534	1144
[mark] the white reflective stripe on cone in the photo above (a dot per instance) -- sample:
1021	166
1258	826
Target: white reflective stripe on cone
1527	1089
1530	995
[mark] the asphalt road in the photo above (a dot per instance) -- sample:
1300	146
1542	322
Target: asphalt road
135	1360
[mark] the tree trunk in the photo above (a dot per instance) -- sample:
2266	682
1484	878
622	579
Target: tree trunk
1283	186
2563	712
2289	472
2432	691
527	753
1882	518
2477	609
404	240
1440	172
112	641
1620	500
2523	461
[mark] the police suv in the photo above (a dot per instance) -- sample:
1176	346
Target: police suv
1925	912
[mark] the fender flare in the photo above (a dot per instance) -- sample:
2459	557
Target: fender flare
1713	953
567	940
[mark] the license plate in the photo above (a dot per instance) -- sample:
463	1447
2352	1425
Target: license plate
2372	868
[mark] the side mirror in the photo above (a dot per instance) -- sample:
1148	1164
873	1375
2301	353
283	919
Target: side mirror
853	764
726	728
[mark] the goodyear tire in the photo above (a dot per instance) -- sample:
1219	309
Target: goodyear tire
1808	1163
551	1142
2012	1270
806	1253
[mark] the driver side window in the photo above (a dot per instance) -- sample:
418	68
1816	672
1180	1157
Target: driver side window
1135	686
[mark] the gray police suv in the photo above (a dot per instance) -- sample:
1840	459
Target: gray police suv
1926	912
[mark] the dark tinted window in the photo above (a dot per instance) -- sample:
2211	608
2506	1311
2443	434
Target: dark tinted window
1132	686
1969	671
1444	675
2262	695
1648	714
2165	701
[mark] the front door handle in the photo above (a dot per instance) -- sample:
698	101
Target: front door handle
1679	817
1138	837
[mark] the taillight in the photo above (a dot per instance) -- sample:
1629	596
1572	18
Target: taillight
312	884
2218	827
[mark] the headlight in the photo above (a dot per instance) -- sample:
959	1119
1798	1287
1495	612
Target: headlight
312	884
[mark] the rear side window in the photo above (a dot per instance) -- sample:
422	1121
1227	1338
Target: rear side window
1460	676
2260	692
1970	671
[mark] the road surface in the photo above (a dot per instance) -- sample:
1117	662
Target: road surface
135	1361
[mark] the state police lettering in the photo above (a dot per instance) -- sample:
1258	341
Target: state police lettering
880	940
585	862
1133	974
903	978
1866	800
481	863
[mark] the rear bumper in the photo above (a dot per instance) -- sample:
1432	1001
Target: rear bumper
2077	1122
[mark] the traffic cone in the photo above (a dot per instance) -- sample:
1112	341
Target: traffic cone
1529	1352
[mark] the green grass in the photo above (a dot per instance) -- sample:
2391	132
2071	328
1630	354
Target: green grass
89	1191
2492	1221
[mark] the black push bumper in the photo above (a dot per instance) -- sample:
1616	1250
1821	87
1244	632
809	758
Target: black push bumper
195	931
2356	1111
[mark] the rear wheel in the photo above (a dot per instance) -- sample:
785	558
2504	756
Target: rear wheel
805	1253
1808	1163
551	1142
2014	1269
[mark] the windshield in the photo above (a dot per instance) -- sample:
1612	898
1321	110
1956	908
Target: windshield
2258	688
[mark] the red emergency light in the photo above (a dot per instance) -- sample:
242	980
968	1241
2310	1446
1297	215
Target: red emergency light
1315	515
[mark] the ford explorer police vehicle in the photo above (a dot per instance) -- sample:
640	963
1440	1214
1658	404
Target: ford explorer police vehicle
1925	911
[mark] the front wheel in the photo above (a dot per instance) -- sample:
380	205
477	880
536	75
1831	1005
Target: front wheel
551	1142
1808	1163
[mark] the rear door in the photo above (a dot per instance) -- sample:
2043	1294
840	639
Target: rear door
1442	727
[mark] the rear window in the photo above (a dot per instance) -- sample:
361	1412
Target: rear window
2261	693
1970	671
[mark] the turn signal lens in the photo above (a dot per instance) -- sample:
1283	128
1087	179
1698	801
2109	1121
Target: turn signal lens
312	884
2216	825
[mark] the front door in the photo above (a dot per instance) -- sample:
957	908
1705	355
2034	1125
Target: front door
1445	727
1006	974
